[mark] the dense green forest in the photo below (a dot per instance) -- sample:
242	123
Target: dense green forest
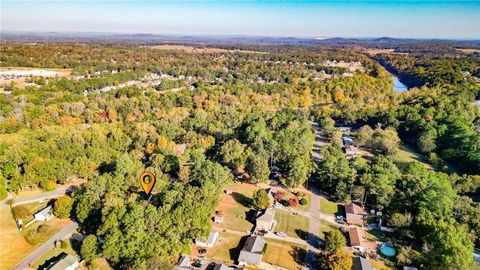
217	115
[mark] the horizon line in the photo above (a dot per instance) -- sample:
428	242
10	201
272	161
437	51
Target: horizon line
236	35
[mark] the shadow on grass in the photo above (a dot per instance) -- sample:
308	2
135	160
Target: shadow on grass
301	233
312	239
48	262
298	254
242	199
235	252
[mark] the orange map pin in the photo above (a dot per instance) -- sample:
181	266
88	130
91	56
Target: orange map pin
147	180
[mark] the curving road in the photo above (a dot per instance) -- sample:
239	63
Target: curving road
37	253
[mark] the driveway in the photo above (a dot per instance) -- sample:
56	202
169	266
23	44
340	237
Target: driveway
37	253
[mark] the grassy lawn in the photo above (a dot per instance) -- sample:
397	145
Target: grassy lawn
226	249
32	209
325	227
292	225
406	153
40	232
52	253
14	246
327	207
235	208
379	265
284	254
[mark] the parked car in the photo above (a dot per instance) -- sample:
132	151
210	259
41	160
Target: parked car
281	234
198	263
202	251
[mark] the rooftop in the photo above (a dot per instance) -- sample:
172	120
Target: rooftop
360	263
65	261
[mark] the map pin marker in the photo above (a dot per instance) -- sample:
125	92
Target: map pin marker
147	180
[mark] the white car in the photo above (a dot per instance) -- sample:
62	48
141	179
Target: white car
281	234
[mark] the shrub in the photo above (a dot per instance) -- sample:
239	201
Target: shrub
63	244
300	194
293	202
43	228
303	201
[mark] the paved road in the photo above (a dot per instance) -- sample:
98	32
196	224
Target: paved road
42	196
37	253
313	231
314	213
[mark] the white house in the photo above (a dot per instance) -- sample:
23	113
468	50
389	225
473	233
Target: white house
212	238
44	214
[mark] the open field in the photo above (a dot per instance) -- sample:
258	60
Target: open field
284	254
379	51
292	225
191	49
14	245
408	154
469	50
24	73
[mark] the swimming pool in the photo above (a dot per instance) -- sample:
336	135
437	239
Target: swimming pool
387	251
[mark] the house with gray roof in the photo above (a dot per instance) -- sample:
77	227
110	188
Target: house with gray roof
65	262
360	263
252	251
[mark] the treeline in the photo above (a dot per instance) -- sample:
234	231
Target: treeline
420	70
434	225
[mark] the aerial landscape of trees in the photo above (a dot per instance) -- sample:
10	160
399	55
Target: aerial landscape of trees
219	117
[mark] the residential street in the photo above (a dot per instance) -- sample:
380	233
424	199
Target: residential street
314	213
38	197
59	191
45	246
313	230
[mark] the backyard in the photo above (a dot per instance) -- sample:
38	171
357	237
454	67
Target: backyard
235	207
226	249
292	225
284	254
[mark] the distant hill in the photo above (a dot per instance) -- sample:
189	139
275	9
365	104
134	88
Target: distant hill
149	39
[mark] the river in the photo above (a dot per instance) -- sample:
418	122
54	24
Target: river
398	86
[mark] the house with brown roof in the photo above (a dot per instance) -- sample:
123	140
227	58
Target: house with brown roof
359	241
355	214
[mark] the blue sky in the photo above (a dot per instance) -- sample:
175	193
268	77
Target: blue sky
458	19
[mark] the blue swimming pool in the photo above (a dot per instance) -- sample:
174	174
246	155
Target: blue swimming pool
387	251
